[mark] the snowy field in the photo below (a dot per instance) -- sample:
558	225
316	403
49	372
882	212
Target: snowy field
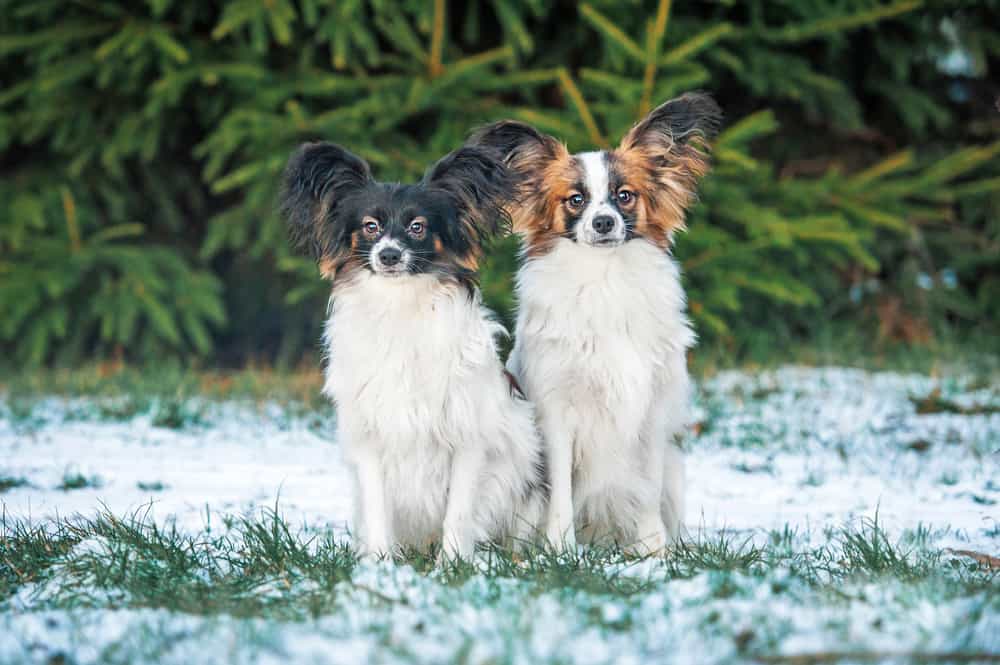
832	515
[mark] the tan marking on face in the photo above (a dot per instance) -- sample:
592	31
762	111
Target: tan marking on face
469	260
540	214
659	206
328	268
342	260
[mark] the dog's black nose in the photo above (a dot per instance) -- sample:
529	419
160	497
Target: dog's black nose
604	223
389	256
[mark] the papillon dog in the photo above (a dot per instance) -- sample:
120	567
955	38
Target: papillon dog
443	449
602	334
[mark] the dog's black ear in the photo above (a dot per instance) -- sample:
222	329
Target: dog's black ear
509	137
479	185
678	131
530	155
521	146
316	180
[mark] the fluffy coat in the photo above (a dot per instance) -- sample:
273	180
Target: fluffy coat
442	449
602	335
601	345
442	452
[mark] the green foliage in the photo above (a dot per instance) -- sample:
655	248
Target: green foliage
143	144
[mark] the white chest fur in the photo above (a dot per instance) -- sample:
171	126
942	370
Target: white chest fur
440	448
606	325
397	348
601	344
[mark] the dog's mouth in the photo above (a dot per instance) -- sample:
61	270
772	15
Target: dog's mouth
393	271
607	242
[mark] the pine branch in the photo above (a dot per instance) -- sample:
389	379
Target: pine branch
607	27
698	43
573	92
811	30
434	66
654	35
72	226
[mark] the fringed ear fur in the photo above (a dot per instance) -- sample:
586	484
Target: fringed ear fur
675	136
526	150
537	161
317	179
480	186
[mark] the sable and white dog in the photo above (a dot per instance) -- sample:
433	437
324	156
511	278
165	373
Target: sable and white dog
602	333
443	449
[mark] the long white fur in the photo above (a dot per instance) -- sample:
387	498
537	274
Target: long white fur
441	451
601	342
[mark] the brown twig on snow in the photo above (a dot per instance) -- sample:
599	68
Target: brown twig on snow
875	656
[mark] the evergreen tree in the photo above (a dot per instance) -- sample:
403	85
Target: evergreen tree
143	144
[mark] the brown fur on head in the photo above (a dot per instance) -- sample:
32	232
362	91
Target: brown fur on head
544	168
657	165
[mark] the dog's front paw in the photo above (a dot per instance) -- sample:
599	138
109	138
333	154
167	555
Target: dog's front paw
653	540
373	551
560	539
456	546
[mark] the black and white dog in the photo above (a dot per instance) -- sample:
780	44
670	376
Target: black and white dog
443	449
602	333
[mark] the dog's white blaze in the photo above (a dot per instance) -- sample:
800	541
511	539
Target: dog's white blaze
425	416
595	170
383	243
601	343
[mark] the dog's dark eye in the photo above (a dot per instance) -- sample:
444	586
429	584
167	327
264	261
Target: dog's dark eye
625	196
575	200
370	225
417	226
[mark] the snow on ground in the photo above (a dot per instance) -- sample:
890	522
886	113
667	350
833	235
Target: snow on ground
702	620
806	449
242	460
802	447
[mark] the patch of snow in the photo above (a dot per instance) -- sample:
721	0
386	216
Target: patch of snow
802	450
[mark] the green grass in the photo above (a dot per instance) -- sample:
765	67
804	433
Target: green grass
262	582
173	398
265	568
176	396
853	345
11	482
73	480
124	391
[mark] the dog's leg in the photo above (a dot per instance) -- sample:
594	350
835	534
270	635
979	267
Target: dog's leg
559	528
674	415
651	534
374	529
459	532
672	498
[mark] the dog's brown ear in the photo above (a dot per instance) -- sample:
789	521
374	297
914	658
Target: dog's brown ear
667	151
677	133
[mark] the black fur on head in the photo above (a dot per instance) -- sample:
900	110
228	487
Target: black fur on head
511	138
658	163
537	162
352	222
479	185
526	150
317	179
